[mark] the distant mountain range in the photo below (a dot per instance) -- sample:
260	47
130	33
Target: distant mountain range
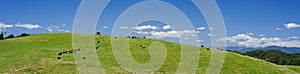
284	49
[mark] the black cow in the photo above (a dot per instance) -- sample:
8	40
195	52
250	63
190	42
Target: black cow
59	53
97	47
142	46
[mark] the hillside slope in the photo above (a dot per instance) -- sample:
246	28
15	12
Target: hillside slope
38	54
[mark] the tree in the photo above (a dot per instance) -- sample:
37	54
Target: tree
10	36
2	35
24	34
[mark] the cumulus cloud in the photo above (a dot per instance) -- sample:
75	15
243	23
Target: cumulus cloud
210	34
249	41
211	28
28	26
124	27
105	27
249	33
171	34
144	27
291	25
167	27
261	35
55	28
292	37
200	40
2	25
50	30
200	28
278	29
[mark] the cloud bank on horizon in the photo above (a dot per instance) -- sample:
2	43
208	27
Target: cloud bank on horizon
249	41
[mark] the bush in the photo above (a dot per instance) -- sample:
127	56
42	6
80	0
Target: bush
23	34
10	36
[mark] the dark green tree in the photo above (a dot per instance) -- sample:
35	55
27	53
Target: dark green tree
2	35
10	36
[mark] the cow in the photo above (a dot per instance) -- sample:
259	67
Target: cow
97	47
142	46
59	53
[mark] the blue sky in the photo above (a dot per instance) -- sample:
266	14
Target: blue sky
251	23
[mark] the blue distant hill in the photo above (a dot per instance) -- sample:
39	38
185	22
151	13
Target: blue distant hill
284	49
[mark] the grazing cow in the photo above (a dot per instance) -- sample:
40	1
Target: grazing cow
98	33
59	53
78	49
98	41
58	57
70	51
207	48
74	50
65	52
142	46
97	47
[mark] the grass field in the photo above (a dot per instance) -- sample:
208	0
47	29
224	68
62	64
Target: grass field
38	54
295	68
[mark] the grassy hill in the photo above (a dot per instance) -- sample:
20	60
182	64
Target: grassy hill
38	54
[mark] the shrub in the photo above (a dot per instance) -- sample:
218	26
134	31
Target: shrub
10	36
23	35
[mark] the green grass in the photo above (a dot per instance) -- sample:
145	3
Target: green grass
37	54
295	68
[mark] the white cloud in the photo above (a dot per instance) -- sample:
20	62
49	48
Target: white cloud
171	34
144	27
261	35
2	25
211	28
124	27
249	33
200	40
104	27
249	41
67	31
50	30
278	29
141	32
54	28
210	34
292	37
200	28
28	26
167	27
291	25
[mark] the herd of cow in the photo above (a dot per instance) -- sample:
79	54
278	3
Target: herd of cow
97	47
67	51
